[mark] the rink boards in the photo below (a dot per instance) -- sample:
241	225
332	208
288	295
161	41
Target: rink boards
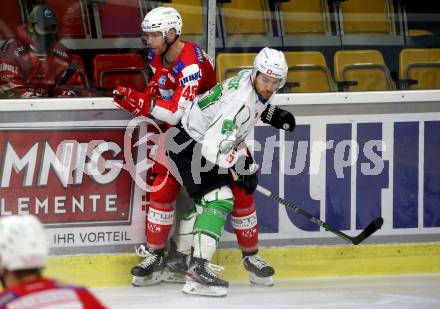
352	158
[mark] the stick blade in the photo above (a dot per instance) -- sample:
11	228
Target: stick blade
370	229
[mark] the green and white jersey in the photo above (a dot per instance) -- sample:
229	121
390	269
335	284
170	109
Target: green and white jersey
221	118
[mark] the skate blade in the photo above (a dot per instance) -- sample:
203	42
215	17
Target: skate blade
169	276
263	281
195	288
154	278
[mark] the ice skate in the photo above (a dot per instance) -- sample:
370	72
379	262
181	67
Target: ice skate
176	267
195	288
203	279
149	271
260	272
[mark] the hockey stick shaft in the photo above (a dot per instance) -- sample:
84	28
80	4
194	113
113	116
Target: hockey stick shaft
370	229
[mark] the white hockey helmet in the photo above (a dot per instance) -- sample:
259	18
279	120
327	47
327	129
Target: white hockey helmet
162	19
272	63
22	243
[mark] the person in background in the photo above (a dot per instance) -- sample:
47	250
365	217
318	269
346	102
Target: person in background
35	63
23	255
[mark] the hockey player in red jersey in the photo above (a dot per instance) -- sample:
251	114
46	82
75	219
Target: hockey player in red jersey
181	70
23	254
208	143
35	63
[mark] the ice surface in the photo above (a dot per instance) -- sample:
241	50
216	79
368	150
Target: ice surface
417	291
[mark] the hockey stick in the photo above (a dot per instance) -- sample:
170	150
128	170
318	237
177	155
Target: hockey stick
73	67
375	225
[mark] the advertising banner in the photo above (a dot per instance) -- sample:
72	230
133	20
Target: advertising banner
83	173
77	177
348	170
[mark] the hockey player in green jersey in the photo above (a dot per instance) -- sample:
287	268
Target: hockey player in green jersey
213	130
206	146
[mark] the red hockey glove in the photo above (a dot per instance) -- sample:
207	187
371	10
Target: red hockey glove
152	88
133	101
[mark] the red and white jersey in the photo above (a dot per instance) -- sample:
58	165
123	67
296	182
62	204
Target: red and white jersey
190	74
25	74
48	294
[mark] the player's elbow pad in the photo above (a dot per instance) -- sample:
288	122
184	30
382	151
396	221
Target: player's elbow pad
170	117
174	120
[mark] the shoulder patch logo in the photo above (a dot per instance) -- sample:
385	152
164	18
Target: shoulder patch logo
177	68
199	54
19	51
162	81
